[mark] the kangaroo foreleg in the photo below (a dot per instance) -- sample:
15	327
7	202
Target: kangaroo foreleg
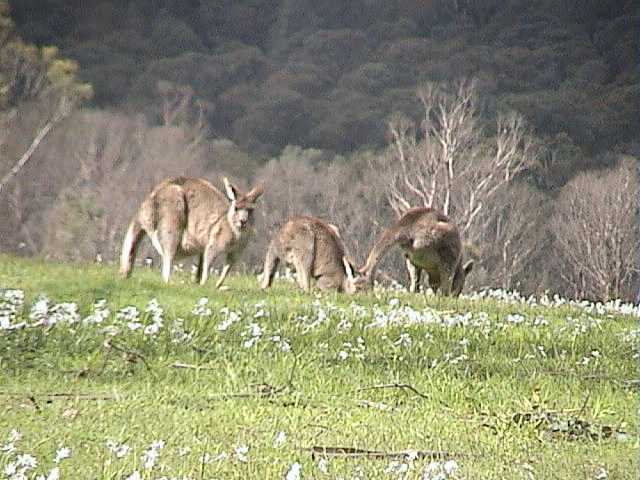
446	283
415	273
209	255
223	274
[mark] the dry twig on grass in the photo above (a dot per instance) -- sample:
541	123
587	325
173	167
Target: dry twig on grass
194	367
403	386
59	396
130	355
349	452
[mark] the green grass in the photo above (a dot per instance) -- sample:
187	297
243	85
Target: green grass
470	383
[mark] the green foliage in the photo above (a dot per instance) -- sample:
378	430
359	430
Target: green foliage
28	72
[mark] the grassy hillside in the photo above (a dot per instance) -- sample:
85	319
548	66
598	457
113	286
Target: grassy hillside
243	384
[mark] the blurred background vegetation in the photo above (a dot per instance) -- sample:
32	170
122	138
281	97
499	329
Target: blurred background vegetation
293	91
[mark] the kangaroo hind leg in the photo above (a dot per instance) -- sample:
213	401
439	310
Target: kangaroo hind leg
271	261
303	260
169	229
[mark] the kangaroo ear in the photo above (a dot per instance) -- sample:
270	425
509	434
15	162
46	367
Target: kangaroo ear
347	268
255	193
232	192
468	267
334	228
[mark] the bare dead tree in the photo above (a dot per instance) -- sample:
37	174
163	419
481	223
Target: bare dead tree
181	108
19	208
595	236
513	234
176	101
447	162
33	76
63	110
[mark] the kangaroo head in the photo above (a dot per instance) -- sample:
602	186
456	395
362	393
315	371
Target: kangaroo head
353	284
460	276
240	213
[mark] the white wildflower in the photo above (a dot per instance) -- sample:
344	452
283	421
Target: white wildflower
120	451
27	461
206	458
221	456
344	325
281	438
295	472
241	452
150	456
158	444
63	313
282	343
178	333
152	329
62	453
396	468
134	325
54	474
323	466
515	318
450	466
8	448
134	476
202	308
403	341
100	312
10	469
39	311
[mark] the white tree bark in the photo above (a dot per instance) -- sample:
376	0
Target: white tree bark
63	110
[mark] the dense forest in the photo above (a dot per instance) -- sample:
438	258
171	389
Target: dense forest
321	99
326	74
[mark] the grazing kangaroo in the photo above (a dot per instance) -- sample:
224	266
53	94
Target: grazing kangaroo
316	251
186	216
431	242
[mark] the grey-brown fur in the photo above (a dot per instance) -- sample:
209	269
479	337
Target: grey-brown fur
431	242
186	216
316	251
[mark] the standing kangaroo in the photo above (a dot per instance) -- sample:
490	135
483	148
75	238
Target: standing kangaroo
316	251
186	216
431	242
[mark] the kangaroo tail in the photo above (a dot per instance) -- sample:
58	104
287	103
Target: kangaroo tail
130	246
